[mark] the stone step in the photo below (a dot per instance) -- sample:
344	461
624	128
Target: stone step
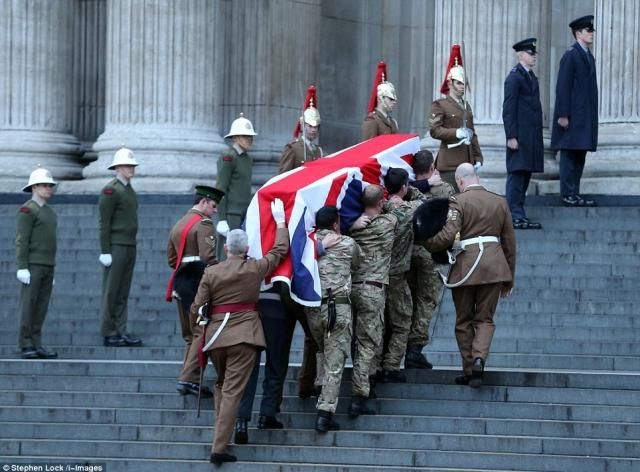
164	465
331	454
344	439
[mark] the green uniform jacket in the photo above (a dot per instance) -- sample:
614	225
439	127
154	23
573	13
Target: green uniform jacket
234	179
36	235
118	216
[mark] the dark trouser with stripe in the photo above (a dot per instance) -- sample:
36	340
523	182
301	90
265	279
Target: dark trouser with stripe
34	300
516	192
116	283
571	167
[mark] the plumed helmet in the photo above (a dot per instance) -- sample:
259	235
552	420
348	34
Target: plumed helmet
310	115
457	73
39	176
123	157
386	89
241	127
455	69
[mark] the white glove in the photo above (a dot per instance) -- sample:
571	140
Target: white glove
222	228
24	276
461	133
469	133
477	166
277	210
105	259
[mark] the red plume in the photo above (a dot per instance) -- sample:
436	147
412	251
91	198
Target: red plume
455	58
381	76
310	99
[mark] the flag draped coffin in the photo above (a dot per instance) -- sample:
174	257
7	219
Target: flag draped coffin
337	179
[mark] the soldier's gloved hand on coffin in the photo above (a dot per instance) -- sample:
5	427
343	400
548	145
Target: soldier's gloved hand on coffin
222	228
24	276
105	259
277	210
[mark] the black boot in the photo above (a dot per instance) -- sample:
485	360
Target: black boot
414	359
324	422
241	433
393	376
219	459
359	407
372	387
477	373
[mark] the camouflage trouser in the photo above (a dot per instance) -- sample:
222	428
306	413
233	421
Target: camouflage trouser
368	320
426	285
332	351
398	314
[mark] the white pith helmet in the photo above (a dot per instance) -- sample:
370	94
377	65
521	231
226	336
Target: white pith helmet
39	176
123	157
241	127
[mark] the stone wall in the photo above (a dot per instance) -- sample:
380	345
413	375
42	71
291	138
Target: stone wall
166	78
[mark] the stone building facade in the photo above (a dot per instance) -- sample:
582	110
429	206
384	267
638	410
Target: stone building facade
166	78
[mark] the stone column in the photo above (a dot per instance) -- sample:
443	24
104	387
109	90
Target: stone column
161	93
89	71
615	167
35	97
489	28
272	55
398	33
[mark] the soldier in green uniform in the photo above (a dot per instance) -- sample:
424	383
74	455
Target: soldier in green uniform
368	295
36	259
332	334
235	168
403	201
381	104
118	224
193	239
424	281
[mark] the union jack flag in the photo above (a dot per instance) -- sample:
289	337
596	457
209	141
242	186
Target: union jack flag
337	179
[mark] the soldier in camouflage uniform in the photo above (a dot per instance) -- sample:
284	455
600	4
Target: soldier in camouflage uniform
36	259
235	169
424	281
403	201
369	291
118	205
333	341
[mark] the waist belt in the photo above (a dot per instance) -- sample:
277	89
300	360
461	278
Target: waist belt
461	246
189	259
370	282
231	308
477	240
227	309
339	300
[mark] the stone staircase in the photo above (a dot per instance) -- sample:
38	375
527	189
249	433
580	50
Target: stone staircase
562	393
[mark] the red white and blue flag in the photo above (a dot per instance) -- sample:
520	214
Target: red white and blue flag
337	179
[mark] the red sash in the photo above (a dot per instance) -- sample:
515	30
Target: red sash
183	242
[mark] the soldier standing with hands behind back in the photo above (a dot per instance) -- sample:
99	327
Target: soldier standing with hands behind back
36	258
118	205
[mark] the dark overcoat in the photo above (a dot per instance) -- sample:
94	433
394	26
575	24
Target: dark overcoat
577	99
522	118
